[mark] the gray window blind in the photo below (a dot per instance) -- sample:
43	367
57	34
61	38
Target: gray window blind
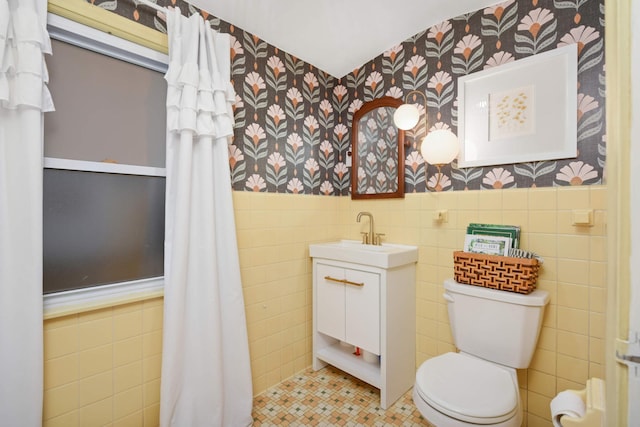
106	109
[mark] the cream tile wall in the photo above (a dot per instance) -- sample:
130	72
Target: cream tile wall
103	367
274	232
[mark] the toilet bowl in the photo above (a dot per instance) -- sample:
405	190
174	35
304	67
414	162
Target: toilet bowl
457	389
496	333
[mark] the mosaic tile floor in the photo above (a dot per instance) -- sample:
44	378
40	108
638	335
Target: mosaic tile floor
330	397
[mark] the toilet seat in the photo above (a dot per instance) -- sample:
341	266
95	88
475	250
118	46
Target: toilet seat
468	389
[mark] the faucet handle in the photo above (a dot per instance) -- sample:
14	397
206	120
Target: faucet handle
365	237
378	239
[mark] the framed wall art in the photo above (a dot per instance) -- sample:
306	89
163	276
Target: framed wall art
520	111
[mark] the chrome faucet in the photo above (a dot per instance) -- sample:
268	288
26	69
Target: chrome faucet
369	238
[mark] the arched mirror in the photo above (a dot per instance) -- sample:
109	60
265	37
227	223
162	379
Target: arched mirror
377	148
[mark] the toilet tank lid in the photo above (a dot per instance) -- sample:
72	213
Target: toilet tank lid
536	298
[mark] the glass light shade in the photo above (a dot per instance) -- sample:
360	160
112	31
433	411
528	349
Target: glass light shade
406	116
440	147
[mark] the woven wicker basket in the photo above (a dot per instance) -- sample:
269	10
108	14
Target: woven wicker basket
496	272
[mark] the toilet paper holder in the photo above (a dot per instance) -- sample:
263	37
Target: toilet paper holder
593	397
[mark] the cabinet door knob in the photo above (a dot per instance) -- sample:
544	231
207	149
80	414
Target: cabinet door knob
345	281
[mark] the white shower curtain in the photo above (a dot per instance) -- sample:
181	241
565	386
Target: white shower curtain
206	373
23	98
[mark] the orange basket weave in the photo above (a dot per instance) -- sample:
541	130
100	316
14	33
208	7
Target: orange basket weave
496	272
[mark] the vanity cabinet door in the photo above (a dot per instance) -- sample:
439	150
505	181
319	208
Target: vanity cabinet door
330	301
348	306
362	316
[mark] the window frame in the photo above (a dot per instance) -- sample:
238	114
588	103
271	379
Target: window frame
77	300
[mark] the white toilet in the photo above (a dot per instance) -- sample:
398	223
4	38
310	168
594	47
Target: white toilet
496	333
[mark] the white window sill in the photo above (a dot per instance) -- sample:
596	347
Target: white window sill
80	300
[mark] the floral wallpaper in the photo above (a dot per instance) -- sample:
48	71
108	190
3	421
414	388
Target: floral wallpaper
431	62
293	121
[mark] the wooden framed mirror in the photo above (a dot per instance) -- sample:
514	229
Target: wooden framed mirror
377	150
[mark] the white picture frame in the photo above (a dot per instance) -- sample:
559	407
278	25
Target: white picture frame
521	111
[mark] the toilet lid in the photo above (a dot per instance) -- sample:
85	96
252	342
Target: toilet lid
468	389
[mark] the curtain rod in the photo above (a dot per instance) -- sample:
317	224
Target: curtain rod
153	6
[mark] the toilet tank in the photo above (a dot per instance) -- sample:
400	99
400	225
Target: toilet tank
498	326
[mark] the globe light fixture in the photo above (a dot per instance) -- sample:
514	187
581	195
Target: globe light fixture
438	148
406	116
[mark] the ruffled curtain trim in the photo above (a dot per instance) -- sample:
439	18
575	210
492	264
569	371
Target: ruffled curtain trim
23	71
197	98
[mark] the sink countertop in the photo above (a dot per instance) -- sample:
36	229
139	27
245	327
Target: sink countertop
387	255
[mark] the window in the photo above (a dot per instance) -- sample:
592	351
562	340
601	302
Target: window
103	206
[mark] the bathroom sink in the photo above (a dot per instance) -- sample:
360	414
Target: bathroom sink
387	255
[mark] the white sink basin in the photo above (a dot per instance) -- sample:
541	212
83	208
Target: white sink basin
387	255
